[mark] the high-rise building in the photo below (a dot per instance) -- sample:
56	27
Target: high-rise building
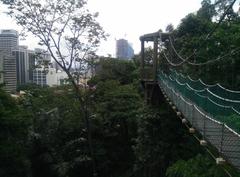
123	49
40	73
8	39
8	42
32	65
25	61
19	65
1	69
40	76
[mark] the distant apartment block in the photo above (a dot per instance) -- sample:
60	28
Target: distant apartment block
123	49
40	76
56	77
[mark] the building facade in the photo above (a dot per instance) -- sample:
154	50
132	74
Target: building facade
9	39
25	64
40	76
123	49
56	77
8	42
1	69
19	65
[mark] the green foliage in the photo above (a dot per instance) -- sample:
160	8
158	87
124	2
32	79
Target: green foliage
207	11
58	135
199	166
115	69
161	141
201	37
14	123
116	110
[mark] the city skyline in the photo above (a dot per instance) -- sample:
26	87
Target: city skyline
19	65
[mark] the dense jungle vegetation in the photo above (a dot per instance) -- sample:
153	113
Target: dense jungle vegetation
43	133
129	138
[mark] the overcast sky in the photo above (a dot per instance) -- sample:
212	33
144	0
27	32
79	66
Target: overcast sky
132	18
127	19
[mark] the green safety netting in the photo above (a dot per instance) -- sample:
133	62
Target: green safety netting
225	93
217	89
216	93
195	84
225	102
222	109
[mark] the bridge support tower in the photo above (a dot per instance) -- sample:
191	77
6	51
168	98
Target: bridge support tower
152	92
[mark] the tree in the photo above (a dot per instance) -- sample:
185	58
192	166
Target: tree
14	122
67	29
224	8
207	11
199	166
116	109
200	38
57	135
116	106
69	32
160	142
115	69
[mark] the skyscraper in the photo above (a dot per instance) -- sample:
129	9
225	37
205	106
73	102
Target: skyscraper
8	42
8	39
25	63
123	49
1	69
40	73
40	76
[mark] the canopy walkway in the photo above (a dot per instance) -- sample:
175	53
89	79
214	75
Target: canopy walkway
218	124
211	110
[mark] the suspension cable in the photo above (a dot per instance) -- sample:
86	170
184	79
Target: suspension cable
205	39
234	51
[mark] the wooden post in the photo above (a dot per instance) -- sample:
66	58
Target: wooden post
142	59
155	55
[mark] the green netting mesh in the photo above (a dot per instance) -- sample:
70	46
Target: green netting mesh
220	103
225	93
219	100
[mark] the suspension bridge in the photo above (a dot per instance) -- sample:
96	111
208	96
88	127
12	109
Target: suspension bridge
210	112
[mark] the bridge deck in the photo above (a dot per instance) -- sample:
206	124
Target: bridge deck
220	135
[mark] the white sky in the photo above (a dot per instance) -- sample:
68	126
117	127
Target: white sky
132	18
127	19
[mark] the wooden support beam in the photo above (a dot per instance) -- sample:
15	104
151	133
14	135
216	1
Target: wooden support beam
155	57
142	59
151	36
